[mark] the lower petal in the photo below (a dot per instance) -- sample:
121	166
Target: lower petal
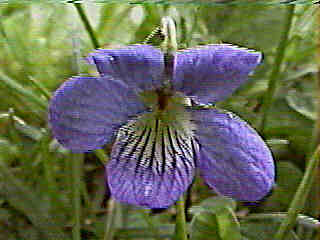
151	164
233	159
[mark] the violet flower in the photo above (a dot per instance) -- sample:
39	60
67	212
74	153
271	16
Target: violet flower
142	102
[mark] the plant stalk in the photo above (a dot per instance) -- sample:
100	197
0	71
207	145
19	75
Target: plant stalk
314	207
274	77
110	219
300	197
87	25
181	225
77	164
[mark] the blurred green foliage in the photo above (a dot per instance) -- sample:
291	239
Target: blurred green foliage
43	44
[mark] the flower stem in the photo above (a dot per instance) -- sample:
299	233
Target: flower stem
87	24
300	197
101	155
181	225
274	77
49	170
109	223
77	162
169	45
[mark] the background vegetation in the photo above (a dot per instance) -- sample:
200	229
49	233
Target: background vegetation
48	193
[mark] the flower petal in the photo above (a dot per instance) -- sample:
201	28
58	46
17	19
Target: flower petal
150	166
139	66
211	73
233	158
85	111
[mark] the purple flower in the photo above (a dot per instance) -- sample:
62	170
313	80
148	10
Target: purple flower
143	103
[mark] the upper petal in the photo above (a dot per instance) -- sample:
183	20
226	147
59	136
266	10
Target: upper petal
85	111
150	166
211	73
233	160
139	66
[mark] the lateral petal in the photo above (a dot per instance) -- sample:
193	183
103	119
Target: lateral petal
233	159
85	111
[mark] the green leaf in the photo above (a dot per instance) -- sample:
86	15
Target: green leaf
12	9
216	204
262	229
29	203
7	149
205	226
303	103
288	123
166	232
214	219
301	72
288	179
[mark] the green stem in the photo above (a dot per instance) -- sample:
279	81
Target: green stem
274	77
169	45
87	25
299	199
49	170
77	162
181	225
101	155
184	32
313	207
316	205
110	218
